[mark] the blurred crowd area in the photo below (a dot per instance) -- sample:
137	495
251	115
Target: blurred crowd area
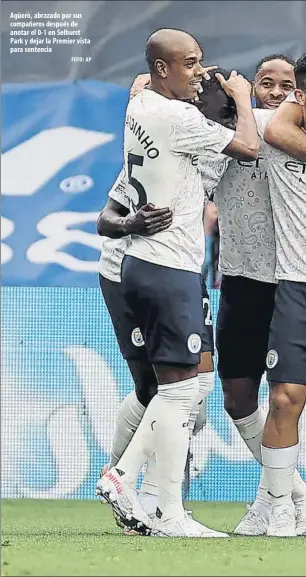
210	267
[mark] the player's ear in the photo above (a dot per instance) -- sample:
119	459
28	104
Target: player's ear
300	96
161	68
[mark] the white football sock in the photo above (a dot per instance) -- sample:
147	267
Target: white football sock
129	416
171	439
206	385
139	449
161	431
251	430
149	483
279	466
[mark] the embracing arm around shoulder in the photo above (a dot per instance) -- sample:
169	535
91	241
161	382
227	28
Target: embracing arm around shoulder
285	130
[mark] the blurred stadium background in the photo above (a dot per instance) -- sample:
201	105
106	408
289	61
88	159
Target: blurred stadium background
62	375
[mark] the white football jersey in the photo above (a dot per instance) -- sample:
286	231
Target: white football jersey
113	250
163	140
247	237
287	181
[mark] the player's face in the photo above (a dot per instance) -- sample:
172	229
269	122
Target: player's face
185	72
273	83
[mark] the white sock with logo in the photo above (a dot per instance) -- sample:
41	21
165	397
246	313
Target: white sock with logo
171	440
162	431
206	385
279	466
129	416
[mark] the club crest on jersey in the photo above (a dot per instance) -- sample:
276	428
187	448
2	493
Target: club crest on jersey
272	359
136	337
194	343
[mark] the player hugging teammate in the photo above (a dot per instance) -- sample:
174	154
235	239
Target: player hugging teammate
150	278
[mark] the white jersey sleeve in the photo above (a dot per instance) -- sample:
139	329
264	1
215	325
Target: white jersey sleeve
262	117
197	134
118	191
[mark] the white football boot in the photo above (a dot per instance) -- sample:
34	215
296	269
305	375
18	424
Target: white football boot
282	521
300	517
183	527
124	501
253	523
149	504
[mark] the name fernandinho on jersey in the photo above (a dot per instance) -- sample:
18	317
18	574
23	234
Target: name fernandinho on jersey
144	139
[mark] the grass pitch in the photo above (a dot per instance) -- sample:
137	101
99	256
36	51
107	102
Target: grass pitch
80	538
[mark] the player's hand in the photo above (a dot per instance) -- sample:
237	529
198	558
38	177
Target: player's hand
207	70
206	76
139	83
236	85
149	220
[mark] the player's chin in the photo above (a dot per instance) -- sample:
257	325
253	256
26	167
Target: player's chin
192	92
272	105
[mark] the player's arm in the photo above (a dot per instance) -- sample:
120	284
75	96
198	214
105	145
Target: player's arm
195	134
245	143
284	130
111	221
115	220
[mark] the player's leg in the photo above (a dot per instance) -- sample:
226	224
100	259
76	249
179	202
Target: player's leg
165	300
245	313
286	362
133	406
171	375
244	317
132	348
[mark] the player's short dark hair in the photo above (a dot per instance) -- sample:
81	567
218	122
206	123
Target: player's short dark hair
273	57
300	72
214	102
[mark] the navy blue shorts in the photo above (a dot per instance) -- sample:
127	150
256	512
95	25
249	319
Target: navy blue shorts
245	312
286	358
127	331
167	305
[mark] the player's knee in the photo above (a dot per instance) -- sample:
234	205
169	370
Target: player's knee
286	400
145	394
240	397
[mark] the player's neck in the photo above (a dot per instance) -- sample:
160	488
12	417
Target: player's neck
158	86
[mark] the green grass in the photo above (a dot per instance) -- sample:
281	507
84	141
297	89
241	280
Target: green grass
80	538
